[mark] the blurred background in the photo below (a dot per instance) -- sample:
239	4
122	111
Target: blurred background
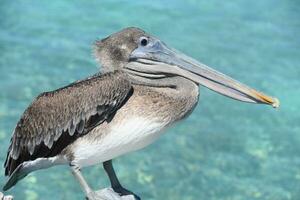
226	150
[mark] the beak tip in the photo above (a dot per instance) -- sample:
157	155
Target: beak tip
276	103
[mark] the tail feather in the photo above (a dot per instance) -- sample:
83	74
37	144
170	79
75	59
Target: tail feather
29	166
17	175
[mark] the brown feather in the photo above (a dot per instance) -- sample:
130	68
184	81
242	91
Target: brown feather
46	123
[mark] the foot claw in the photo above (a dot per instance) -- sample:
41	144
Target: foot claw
2	197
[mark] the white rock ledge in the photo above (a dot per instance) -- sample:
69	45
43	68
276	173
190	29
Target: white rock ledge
103	194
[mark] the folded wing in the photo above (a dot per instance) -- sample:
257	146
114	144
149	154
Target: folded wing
55	119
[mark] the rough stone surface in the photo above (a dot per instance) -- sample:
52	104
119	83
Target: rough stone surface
9	197
103	194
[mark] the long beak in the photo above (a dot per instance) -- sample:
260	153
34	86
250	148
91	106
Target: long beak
201	74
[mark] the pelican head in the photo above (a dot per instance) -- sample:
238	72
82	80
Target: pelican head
147	58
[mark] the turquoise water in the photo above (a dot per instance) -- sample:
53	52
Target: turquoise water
226	150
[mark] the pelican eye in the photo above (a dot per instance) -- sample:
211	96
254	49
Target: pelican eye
144	41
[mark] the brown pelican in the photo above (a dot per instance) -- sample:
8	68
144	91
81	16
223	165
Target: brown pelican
145	87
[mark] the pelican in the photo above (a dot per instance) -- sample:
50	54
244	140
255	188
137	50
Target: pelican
143	88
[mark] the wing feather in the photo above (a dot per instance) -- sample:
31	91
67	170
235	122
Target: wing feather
55	119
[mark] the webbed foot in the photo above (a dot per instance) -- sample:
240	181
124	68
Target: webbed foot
123	192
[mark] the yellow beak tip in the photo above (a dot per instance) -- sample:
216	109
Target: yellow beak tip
276	103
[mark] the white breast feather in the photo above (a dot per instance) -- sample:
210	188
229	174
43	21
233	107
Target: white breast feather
129	135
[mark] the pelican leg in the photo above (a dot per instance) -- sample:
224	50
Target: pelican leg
115	184
89	193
